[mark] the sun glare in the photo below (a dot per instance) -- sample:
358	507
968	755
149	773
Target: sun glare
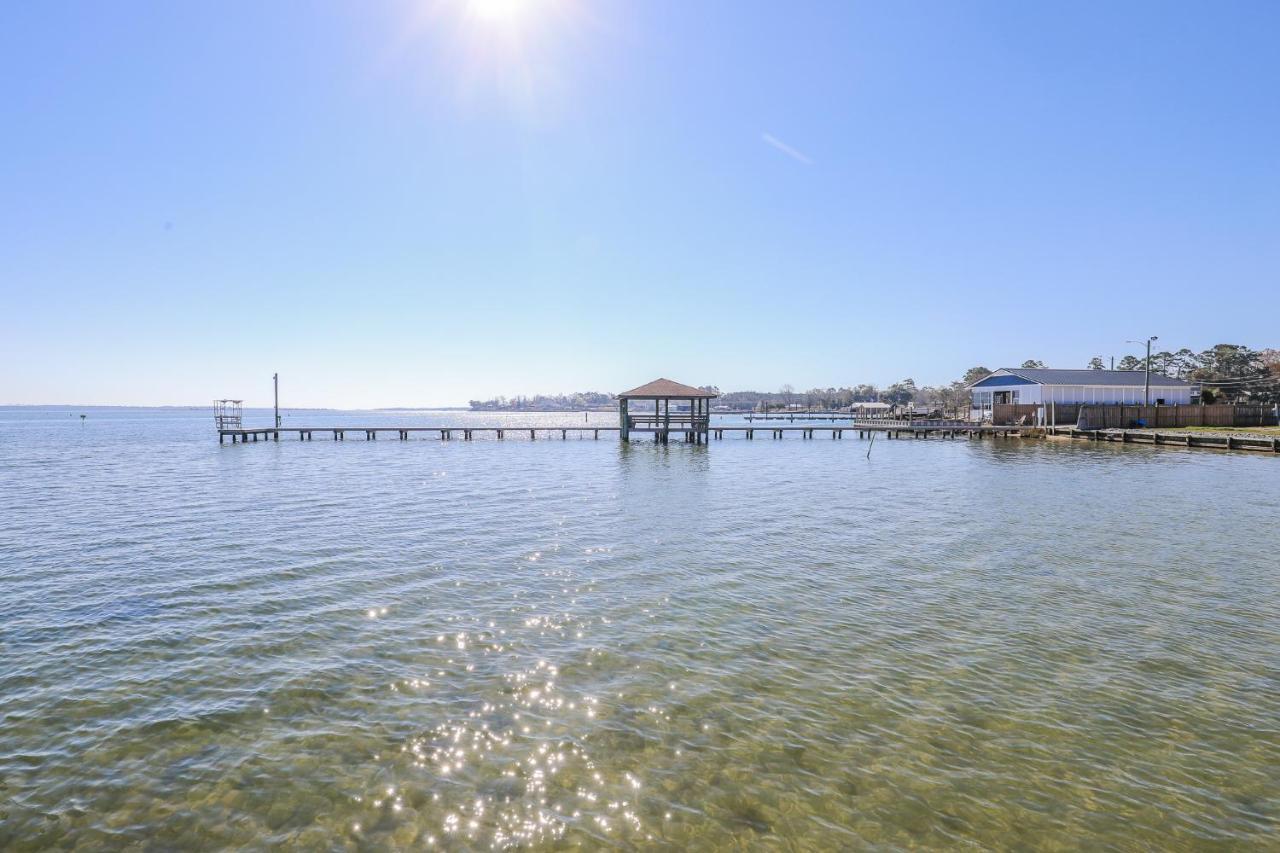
504	11
521	52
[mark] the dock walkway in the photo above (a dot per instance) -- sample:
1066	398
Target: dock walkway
892	428
792	417
1219	441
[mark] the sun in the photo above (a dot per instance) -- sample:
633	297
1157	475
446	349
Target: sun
499	11
519	53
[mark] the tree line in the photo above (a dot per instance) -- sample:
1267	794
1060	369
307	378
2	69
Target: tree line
1225	372
545	402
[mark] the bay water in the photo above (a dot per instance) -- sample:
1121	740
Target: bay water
746	645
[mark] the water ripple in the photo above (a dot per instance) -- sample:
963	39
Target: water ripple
526	644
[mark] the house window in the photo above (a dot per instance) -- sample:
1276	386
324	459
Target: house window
1013	397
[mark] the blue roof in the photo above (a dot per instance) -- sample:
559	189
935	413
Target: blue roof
1050	376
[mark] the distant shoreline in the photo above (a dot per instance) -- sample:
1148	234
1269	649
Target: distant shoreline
207	408
542	409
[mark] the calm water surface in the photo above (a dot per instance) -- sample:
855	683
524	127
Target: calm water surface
555	644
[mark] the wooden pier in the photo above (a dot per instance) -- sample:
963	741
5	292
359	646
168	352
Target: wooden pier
792	417
1216	441
860	429
371	433
661	433
646	409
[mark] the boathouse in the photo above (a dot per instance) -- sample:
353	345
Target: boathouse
691	416
1025	386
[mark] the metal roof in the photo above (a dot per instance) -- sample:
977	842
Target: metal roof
663	388
1120	378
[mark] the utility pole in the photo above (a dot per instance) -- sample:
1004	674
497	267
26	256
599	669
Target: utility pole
1146	384
275	380
1113	362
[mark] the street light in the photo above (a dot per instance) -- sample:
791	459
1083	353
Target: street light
1146	384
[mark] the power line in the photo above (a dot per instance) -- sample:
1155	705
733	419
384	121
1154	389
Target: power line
1250	380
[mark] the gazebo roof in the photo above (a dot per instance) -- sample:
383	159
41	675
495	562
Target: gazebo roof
664	388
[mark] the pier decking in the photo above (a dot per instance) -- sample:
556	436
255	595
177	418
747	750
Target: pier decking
794	416
370	433
892	429
1217	441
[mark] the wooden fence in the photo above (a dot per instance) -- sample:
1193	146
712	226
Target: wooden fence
1161	417
1128	417
1003	414
1007	414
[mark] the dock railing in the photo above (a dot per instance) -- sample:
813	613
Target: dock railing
907	423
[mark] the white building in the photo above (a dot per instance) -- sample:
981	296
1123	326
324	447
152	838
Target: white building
1037	386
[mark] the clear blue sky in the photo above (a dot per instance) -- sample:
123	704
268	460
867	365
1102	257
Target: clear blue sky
422	202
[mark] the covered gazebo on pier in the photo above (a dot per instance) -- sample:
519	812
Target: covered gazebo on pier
661	421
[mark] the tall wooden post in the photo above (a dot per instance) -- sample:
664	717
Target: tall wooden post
623	421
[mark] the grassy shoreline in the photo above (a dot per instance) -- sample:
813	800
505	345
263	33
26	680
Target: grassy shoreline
1222	430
